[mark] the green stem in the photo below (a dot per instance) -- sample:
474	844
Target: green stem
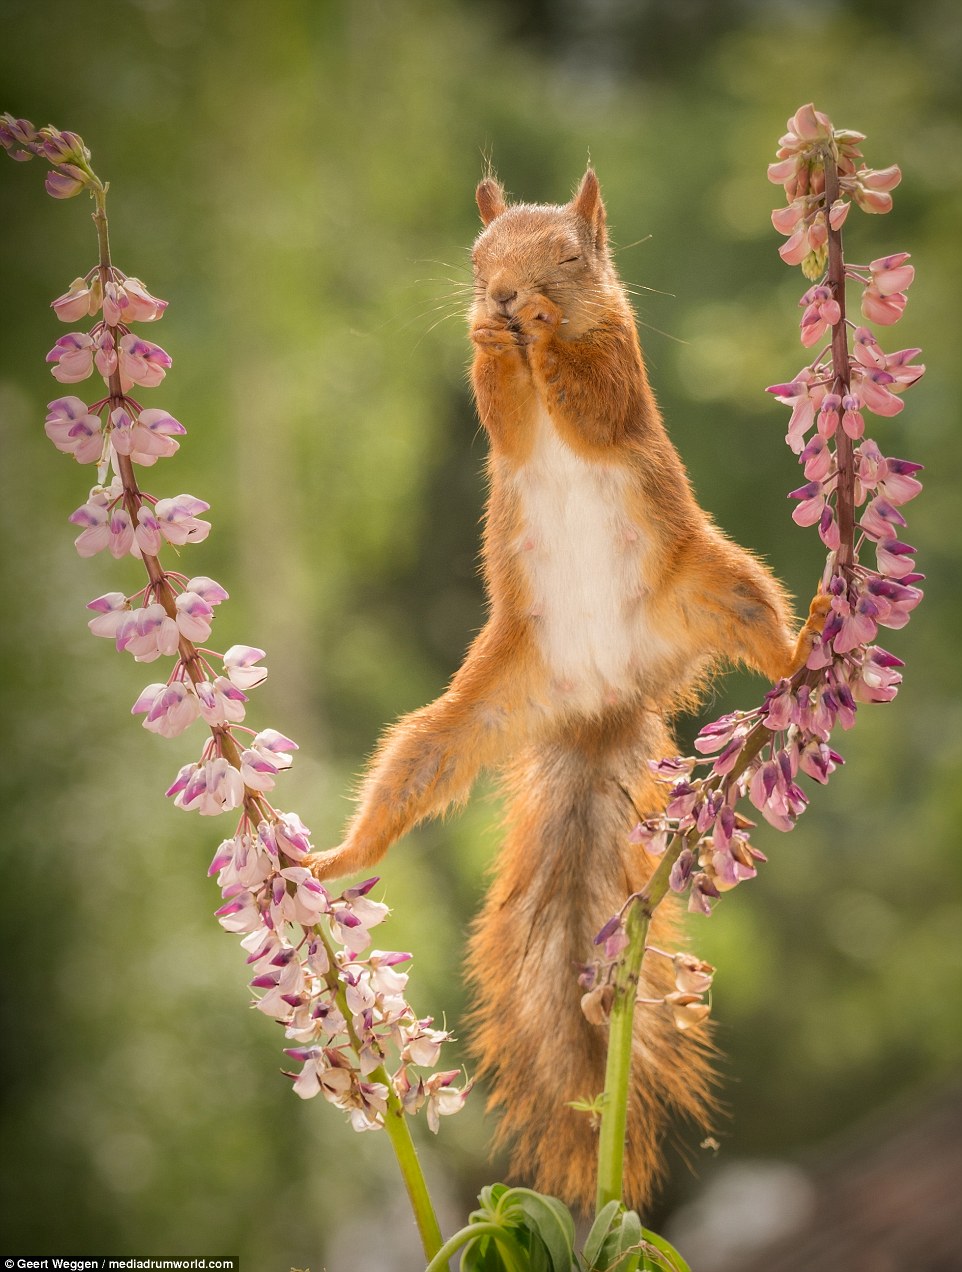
614	1105
395	1123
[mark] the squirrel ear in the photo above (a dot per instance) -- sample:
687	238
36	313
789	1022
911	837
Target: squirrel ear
490	197
588	205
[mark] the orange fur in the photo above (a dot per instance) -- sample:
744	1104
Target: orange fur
611	593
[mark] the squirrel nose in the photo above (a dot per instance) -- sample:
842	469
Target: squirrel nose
502	295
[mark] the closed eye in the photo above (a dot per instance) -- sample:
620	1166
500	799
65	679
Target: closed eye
568	260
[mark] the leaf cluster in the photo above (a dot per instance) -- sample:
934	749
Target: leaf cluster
518	1230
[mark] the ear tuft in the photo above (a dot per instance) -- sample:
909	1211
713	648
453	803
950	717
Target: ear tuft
490	197
588	204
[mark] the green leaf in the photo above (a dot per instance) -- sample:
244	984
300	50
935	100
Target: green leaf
500	1253
595	1240
665	1256
549	1219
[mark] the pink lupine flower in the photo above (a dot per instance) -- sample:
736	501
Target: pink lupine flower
894	558
239	913
687	1010
703	893
720	732
822	311
240	665
207	588
870	189
178	520
354	916
899	366
681	872
291	836
853	422
827	421
141	306
259	769
241	860
892	478
147	531
195	607
15	133
65	181
894	601
105	353
775	794
147	633
837	213
194	616
157	431
692	975
142	362
81	300
146	437
878	679
111	610
858	625
422	1045
167	709
121	533
875	390
817	760
881	519
73	430
210	787
129	301
811	498
653	836
74	357
804	396
309	898
443	1099
94	517
817	459
220	702
781	707
885	310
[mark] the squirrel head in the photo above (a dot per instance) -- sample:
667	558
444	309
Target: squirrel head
559	251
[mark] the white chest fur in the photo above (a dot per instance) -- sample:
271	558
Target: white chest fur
584	558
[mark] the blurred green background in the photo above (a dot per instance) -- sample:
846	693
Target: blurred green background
297	179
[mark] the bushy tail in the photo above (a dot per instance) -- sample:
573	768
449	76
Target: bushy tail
566	866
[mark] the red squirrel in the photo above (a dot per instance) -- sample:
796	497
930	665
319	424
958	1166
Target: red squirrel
610	594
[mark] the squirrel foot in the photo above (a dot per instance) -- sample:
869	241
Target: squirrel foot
818	612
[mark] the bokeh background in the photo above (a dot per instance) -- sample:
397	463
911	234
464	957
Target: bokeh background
297	179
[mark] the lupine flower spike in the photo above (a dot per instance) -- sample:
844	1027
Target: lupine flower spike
854	496
340	1003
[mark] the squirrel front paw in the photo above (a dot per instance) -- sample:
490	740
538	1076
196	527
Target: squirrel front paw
495	333
539	318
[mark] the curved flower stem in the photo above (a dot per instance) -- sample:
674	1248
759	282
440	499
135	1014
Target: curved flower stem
441	1259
